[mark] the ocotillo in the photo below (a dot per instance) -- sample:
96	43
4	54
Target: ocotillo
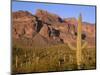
79	43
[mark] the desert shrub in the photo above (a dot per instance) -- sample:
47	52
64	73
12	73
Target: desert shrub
54	58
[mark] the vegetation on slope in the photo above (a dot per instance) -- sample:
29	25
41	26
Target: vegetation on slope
54	58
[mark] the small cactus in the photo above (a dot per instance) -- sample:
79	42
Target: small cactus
16	62
79	43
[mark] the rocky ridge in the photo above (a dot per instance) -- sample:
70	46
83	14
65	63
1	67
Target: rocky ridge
48	28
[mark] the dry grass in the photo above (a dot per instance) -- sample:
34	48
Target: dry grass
54	58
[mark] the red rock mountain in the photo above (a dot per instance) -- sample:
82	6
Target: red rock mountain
47	28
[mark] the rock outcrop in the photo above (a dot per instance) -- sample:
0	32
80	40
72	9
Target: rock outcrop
45	31
47	17
48	28
24	24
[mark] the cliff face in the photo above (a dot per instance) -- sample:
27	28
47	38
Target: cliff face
49	27
23	24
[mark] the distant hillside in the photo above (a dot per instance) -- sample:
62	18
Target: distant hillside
50	27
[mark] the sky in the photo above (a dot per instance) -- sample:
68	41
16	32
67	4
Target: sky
63	10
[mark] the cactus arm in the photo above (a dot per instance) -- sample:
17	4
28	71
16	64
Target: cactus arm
84	45
70	46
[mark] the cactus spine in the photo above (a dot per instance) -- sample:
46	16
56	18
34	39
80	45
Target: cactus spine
79	43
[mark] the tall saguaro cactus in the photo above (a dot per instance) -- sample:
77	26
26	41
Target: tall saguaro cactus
79	32
79	43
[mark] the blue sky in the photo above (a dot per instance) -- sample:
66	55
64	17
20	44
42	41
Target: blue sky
63	10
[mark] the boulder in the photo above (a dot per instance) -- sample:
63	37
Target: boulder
45	31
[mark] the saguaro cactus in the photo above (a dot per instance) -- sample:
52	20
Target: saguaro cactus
79	43
78	51
16	61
